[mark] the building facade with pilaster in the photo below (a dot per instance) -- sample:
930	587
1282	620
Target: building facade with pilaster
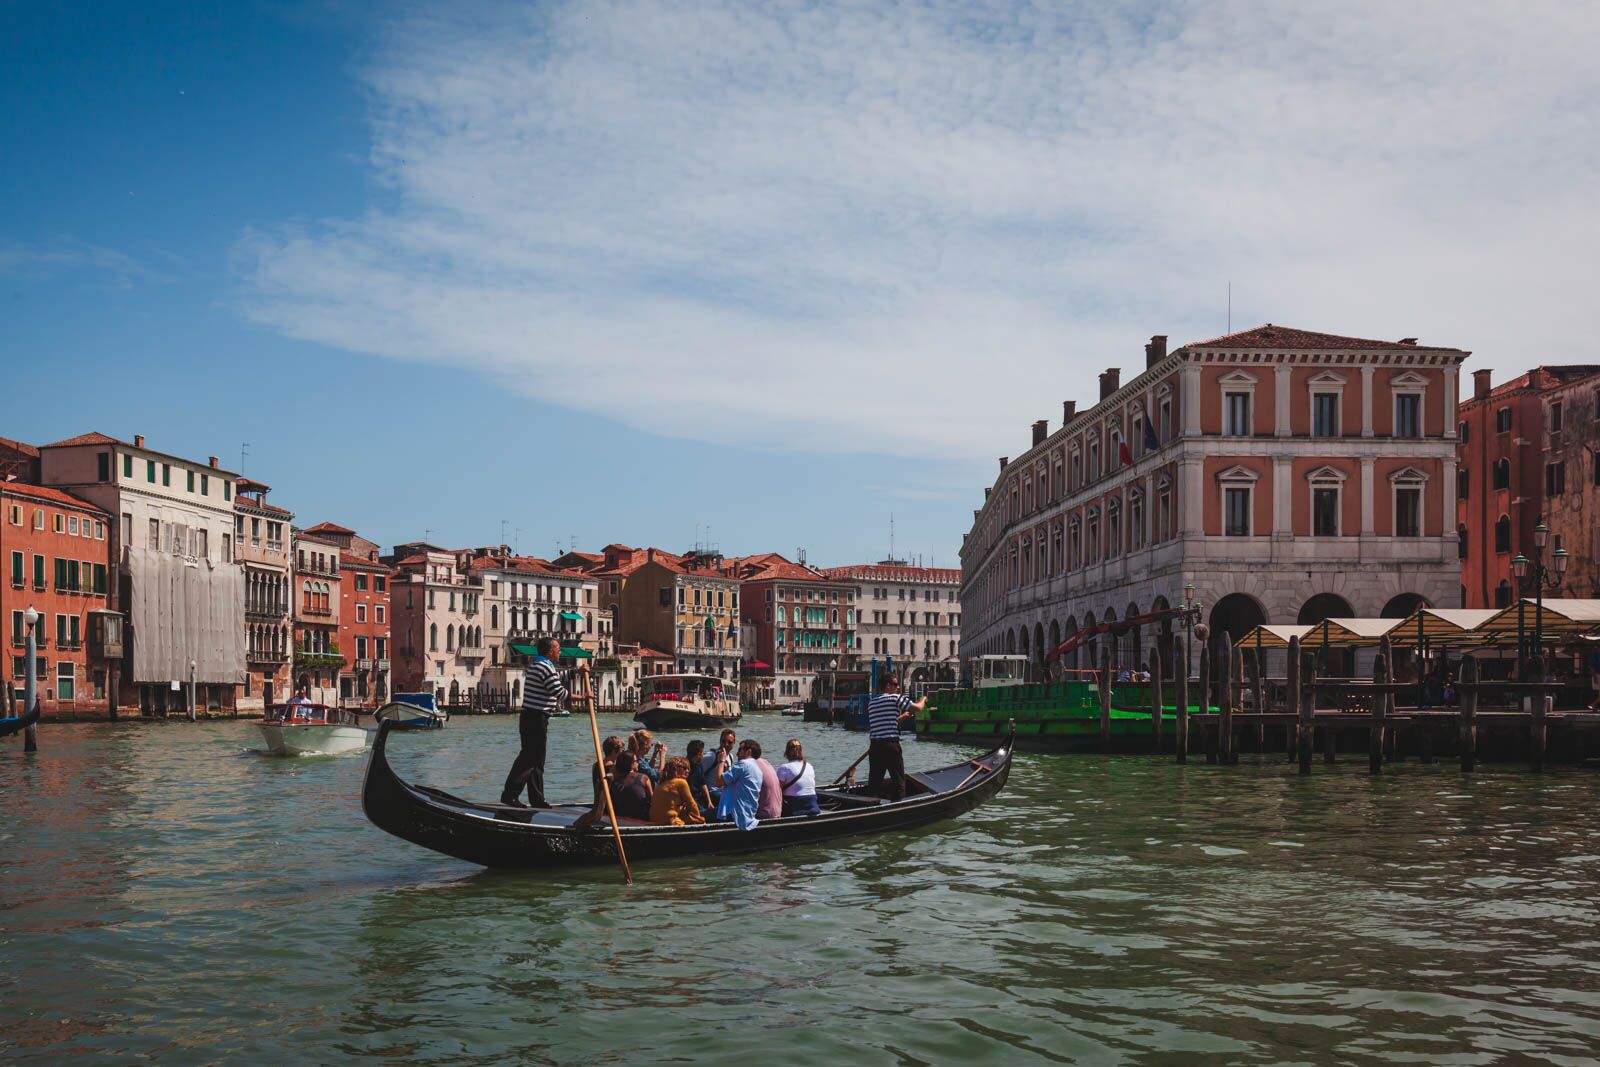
1286	476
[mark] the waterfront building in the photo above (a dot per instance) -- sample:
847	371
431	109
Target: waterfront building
804	621
318	655
1527	451
912	614
174	574
19	462
686	606
261	542
527	598
364	633
437	622
56	549
1274	475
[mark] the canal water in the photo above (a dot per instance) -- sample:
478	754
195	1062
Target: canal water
169	892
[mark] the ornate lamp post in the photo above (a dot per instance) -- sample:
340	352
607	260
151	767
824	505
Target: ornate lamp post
30	692
1534	572
1190	609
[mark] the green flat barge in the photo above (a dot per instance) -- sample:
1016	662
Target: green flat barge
1055	716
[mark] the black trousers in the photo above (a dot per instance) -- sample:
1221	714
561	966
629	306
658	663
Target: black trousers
527	771
884	759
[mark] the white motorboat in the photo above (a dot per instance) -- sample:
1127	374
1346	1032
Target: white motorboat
301	728
686	702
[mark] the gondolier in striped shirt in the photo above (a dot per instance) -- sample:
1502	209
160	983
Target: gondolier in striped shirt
884	759
543	692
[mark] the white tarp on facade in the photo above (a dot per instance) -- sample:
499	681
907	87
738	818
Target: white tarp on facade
186	609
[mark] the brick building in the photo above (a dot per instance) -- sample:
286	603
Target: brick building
318	655
1526	449
1288	476
684	607
364	633
261	541
802	620
56	549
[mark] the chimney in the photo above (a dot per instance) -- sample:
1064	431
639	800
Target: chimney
1480	383
213	461
138	440
1110	381
1040	431
1155	351
987	490
1069	408
1003	461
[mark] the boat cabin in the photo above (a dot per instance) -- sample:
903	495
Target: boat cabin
305	713
685	687
989	672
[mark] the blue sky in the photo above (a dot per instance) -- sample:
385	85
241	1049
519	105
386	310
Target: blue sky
616	271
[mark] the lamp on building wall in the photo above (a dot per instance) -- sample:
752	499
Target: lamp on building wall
1190	616
1534	572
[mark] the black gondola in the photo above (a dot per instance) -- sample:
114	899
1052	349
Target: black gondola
19	723
494	835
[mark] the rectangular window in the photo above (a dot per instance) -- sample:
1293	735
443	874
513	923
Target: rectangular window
1555	417
379	613
1236	511
65	677
191	481
1502	420
1555	478
38	572
166	474
205	485
380	584
72	525
1408	513
18	569
361	613
1325	415
150	471
1325	512
227	490
102	464
1408	415
1236	414
100	578
361	583
127	465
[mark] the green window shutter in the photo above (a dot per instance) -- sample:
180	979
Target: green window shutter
150	471
127	466
99	577
227	490
205	485
72	575
191	481
38	571
166	474
61	574
17	568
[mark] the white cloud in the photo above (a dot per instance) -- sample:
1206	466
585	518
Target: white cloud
63	255
917	228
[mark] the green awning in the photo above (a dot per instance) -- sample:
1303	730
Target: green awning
572	616
576	653
525	650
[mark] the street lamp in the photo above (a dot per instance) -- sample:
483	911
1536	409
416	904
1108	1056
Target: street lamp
1190	616
191	690
1534	572
30	692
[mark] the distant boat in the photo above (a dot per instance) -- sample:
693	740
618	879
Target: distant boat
794	710
412	711
686	702
301	728
19	723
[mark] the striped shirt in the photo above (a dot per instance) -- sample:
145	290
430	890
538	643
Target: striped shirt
883	715
542	688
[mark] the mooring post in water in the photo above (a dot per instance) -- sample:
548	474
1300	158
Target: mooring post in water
1541	709
1239	684
30	738
1469	711
1308	703
1257	682
1291	701
1155	696
1210	738
1180	674
1225	709
1380	678
1105	700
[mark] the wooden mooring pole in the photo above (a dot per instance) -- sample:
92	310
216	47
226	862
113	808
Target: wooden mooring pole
1538	730
1225	709
1205	704
1307	698
1105	700
1380	678
1180	673
1155	697
1257	682
1291	698
1469	711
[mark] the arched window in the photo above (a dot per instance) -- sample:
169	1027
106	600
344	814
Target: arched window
1502	474
450	637
433	637
1461	541
306	588
494	616
1502	534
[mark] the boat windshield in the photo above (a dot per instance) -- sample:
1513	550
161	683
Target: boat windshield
1002	668
682	687
302	713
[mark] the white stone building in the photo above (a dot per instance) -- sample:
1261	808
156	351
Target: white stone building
912	614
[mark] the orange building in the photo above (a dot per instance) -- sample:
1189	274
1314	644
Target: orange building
57	558
1282	475
364	628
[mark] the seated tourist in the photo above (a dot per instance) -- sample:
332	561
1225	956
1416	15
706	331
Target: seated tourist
610	748
672	804
799	781
771	803
718	763
696	757
648	753
630	789
741	790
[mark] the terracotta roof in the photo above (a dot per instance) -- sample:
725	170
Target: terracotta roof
646	652
876	572
1538	379
410	561
250	485
262	505
18	446
55	496
94	438
329	528
1268	336
347	559
615	547
771	566
304	535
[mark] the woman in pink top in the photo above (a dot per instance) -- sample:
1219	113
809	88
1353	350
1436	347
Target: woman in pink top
771	804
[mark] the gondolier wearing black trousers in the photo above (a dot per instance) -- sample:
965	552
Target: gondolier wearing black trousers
884	759
543	693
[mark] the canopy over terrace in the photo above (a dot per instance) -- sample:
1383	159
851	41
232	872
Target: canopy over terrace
1329	633
1557	619
1442	627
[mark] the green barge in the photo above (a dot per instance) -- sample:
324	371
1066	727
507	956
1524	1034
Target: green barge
1056	716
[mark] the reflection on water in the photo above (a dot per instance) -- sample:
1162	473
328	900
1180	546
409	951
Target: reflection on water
169	892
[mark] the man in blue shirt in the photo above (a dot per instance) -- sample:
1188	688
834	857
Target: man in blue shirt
741	791
543	693
884	758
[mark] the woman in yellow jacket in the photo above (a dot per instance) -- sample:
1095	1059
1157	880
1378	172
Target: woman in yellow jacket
672	804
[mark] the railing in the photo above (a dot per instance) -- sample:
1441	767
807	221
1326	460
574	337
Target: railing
266	655
380	664
477	652
69	645
363	664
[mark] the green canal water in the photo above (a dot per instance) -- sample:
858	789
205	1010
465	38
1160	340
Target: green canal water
169	893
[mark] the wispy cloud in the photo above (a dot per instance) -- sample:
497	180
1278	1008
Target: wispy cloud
65	255
916	229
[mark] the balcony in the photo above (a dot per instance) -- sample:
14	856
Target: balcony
266	655
363	664
478	652
380	664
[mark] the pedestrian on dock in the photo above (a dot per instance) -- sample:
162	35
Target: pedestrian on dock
544	691
885	762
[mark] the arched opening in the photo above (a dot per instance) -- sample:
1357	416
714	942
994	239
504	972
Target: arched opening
1039	651
1070	660
1403	605
1089	658
1325	606
1134	653
1011	642
1110	644
1234	616
455	693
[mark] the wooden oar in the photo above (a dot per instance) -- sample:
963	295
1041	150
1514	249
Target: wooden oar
848	770
605	790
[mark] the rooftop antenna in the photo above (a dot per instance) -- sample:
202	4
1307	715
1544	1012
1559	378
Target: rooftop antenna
891	535
427	534
502	531
244	450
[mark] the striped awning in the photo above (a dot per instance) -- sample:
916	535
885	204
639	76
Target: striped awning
1554	618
